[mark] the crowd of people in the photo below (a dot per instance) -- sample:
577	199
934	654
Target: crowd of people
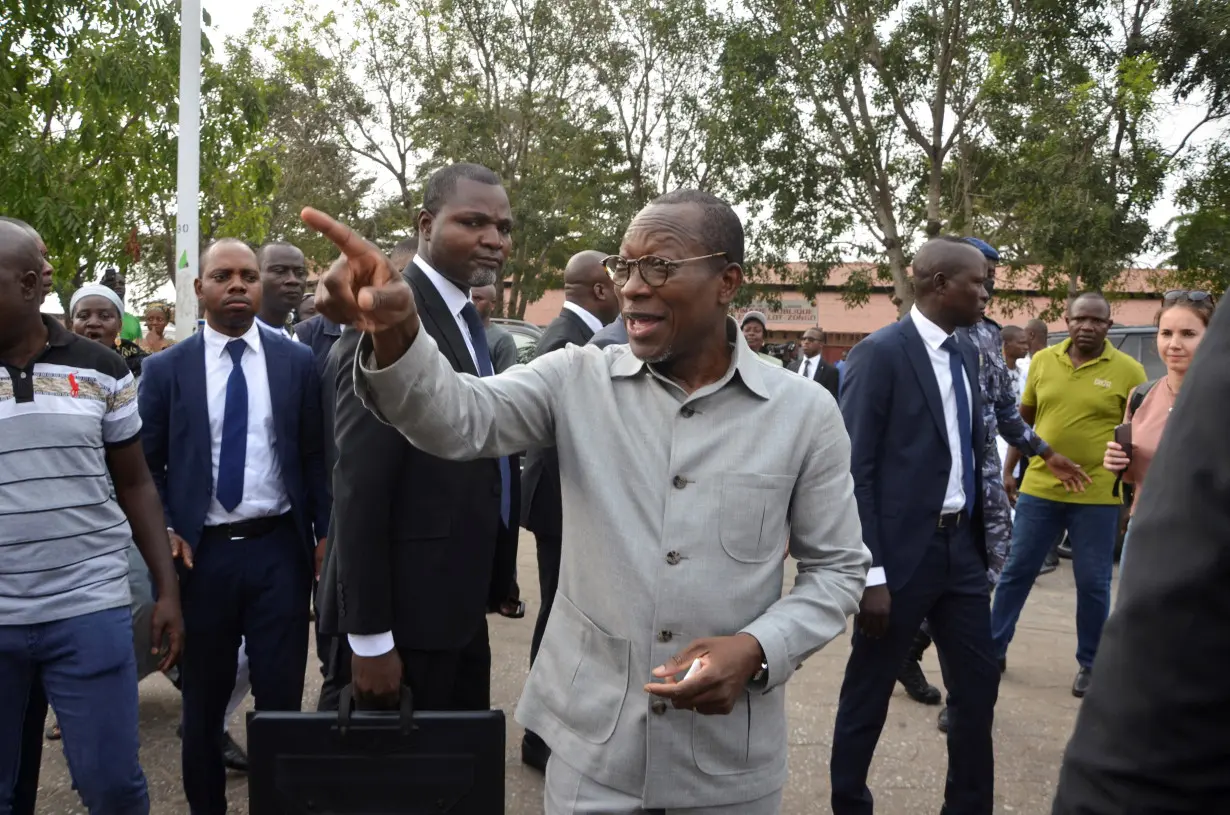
369	453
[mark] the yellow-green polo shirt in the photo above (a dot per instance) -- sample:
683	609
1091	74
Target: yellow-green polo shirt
1076	411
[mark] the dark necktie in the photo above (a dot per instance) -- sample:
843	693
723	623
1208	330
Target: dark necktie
478	336
234	431
807	368
964	420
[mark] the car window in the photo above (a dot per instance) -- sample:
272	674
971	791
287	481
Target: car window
1155	368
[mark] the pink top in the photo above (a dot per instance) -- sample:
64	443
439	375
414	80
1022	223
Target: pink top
1148	422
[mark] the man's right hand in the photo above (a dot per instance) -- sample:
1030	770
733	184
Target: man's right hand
361	289
376	681
1010	487
874	610
180	550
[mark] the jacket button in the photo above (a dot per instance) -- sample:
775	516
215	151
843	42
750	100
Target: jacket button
665	636
679	482
658	706
673	558
688	413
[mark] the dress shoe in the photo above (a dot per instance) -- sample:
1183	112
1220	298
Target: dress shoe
942	721
1080	685
916	685
233	755
1048	566
534	751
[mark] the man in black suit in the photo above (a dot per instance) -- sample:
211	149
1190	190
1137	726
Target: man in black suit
416	537
912	405
813	365
589	304
1151	733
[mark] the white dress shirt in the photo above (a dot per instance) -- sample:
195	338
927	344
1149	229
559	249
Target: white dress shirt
807	368
374	645
595	325
279	329
454	298
264	494
933	338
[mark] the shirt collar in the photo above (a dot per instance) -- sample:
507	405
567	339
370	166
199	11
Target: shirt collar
215	341
277	329
931	334
1061	350
744	362
450	292
595	325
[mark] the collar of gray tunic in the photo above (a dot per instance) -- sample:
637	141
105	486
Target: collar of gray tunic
744	362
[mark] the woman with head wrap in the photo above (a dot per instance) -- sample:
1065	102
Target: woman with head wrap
96	312
158	316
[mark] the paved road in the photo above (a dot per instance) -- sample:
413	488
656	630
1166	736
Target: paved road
1033	721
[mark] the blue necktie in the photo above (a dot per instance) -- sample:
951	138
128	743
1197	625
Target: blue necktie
964	422
234	431
478	336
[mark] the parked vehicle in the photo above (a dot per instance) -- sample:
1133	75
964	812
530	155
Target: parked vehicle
526	335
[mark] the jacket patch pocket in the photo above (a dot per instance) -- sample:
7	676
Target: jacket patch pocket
754	515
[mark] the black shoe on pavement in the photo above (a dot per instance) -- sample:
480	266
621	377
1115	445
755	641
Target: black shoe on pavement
233	755
1080	685
1049	565
942	721
916	685
534	751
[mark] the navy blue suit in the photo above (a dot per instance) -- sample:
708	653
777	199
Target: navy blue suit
253	583
900	461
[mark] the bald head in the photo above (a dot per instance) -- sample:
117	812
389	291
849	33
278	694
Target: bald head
1035	334
587	284
949	282
21	283
207	252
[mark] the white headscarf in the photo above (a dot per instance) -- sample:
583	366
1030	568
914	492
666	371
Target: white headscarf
95	290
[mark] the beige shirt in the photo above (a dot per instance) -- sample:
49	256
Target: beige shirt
677	512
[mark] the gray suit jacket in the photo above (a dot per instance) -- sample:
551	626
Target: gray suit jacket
674	528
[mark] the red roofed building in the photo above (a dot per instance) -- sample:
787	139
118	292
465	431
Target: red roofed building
1135	297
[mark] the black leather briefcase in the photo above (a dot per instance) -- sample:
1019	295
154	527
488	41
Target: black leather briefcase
376	763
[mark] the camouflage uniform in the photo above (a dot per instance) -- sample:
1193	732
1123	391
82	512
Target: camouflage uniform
1000	416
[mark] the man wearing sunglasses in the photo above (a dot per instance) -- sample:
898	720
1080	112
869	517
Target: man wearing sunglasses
669	633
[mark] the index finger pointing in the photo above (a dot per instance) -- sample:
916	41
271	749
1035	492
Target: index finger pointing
343	237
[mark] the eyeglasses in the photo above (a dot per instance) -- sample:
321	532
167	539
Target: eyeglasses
655	271
1191	296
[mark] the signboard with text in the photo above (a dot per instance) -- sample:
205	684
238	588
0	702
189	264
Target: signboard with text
792	310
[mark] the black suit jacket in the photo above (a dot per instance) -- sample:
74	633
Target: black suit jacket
824	374
899	455
1151	735
415	537
541	510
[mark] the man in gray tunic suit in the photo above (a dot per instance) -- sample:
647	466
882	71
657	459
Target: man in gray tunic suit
676	560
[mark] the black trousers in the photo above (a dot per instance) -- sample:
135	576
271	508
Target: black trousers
548	582
949	589
257	588
450	680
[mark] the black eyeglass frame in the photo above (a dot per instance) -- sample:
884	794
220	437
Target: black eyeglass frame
618	267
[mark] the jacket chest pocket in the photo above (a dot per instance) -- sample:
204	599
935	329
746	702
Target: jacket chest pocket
753	515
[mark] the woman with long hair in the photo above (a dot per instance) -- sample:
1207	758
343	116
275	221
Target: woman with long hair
1181	323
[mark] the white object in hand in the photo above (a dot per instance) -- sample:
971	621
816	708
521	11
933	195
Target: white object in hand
692	671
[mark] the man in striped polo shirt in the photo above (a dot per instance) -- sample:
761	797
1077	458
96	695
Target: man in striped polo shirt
68	419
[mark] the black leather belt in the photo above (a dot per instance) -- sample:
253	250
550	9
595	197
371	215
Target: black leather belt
952	520
246	529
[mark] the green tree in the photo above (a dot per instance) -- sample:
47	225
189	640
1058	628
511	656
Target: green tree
1201	246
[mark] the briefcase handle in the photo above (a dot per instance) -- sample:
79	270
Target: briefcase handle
345	707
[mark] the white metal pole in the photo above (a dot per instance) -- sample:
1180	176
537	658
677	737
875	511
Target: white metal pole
189	168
